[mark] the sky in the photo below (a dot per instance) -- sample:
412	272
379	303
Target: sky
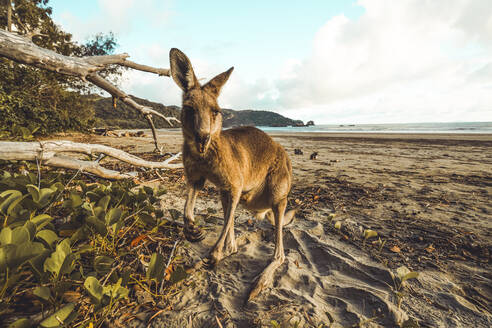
334	62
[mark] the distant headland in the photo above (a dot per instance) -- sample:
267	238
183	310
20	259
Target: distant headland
126	118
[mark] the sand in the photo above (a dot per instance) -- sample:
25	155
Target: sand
427	196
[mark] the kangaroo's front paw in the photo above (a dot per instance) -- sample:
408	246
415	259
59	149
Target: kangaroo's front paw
212	259
209	263
193	233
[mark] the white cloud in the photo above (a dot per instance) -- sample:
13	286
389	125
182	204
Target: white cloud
401	61
118	16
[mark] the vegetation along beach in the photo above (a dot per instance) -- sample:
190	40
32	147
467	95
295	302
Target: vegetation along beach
335	171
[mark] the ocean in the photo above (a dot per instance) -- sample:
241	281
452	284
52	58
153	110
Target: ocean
458	127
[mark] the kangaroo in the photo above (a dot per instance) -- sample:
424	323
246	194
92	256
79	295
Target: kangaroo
244	163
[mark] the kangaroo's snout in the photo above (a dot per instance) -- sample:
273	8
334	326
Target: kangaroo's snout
202	141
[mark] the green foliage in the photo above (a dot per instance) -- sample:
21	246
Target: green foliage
369	234
21	323
402	275
71	236
33	98
61	317
156	267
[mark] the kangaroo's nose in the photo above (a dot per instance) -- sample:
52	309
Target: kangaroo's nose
202	141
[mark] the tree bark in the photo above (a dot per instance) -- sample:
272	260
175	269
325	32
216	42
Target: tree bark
24	51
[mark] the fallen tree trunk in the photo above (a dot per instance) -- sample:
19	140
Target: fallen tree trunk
22	50
48	153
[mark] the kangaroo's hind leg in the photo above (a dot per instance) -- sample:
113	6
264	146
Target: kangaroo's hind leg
216	253
230	242
265	278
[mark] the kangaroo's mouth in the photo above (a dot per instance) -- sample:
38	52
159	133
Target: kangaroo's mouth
202	144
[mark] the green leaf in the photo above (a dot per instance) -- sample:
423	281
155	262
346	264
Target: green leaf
94	288
6	252
37	264
102	264
41	220
20	235
80	234
147	219
21	323
156	267
178	274
11	195
99	212
97	225
74	201
10	192
410	275
104	202
116	291
26	134
117	227
34	191
47	236
22	253
31	228
113	216
6	236
13	206
57	186
55	262
92	196
42	292
59	318
45	196
370	234
402	271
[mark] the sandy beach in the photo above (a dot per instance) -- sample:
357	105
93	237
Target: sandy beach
428	197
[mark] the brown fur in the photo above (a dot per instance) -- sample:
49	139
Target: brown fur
244	163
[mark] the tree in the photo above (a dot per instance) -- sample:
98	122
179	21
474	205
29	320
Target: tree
39	97
47	100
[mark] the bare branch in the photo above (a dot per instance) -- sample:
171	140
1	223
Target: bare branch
115	92
87	166
22	50
145	68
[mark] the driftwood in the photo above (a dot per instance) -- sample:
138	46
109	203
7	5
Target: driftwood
48	153
22	50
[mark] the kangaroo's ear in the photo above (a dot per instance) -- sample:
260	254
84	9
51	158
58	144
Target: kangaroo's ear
214	85
182	71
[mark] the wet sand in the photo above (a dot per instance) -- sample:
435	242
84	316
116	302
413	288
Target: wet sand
427	196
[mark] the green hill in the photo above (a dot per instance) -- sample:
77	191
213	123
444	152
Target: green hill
125	117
